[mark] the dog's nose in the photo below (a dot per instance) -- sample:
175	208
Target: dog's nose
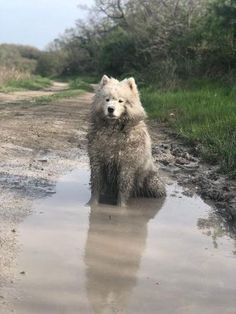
110	109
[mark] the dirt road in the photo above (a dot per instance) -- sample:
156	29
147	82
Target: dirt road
59	256
38	143
16	97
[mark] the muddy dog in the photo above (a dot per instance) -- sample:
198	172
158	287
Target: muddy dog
119	145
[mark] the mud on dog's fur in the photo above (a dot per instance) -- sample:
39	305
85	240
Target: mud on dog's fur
119	145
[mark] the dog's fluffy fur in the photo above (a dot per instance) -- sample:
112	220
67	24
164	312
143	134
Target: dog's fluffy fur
119	144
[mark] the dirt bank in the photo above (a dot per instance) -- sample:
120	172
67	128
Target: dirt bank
40	142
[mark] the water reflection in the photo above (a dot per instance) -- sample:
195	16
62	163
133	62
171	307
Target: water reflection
122	261
115	244
216	227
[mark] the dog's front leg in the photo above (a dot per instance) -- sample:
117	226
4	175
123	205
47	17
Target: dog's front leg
96	181
125	186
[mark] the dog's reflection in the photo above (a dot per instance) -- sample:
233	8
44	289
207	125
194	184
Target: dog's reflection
115	243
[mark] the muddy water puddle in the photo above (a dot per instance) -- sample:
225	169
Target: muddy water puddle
157	256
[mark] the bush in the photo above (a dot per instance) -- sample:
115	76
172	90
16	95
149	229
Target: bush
51	64
19	57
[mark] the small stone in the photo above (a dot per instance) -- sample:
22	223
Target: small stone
50	191
43	160
188	193
165	162
181	161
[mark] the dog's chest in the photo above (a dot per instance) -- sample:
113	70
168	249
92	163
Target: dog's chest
111	143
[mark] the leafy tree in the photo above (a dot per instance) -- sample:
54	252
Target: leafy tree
165	41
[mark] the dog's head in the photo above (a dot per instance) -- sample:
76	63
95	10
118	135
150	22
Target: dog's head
117	100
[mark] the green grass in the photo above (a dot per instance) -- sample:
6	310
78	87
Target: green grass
79	83
44	100
33	83
203	115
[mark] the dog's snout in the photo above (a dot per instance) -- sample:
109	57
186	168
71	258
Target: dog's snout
110	109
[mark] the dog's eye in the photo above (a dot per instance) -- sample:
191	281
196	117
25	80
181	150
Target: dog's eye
121	100
107	99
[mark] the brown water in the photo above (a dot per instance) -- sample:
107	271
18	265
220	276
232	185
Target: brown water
168	257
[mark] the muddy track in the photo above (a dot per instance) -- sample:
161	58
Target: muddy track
38	144
41	142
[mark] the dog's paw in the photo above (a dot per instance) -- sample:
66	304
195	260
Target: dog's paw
121	203
93	201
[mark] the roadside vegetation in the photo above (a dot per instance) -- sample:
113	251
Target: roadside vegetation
9	74
19	57
18	69
25	82
204	116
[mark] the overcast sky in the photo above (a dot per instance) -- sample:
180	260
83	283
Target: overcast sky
37	22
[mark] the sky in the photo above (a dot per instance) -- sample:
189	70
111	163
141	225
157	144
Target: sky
37	22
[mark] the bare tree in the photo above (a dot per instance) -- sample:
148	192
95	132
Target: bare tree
113	9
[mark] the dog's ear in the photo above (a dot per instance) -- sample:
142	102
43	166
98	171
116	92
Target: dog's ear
132	85
105	79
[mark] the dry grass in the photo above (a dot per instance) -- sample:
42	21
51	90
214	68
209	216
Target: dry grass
12	74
